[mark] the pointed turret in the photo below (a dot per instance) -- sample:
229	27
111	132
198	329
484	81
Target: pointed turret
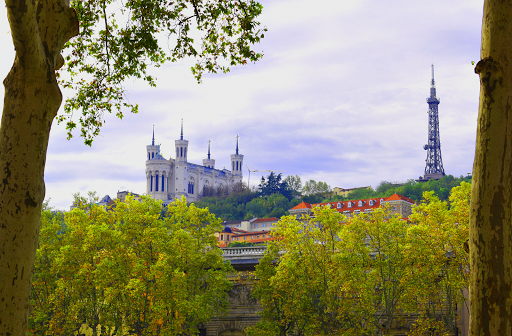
181	147
237	161
209	163
152	150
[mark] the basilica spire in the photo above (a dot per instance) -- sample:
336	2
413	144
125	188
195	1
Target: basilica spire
237	136
209	141
181	137
153	141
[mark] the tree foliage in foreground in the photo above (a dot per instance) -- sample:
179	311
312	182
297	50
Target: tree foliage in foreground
128	270
100	44
362	276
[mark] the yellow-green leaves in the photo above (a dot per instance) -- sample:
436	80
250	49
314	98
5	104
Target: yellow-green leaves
325	275
129	270
119	40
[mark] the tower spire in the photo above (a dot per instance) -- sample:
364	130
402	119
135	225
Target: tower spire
181	137
237	136
153	141
209	141
434	163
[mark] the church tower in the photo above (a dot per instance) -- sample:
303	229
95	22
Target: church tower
209	163
157	172
236	163
152	149
434	163
181	166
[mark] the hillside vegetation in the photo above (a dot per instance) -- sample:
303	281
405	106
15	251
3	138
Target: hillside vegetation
265	203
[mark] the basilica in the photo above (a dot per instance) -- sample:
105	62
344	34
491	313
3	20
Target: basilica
170	179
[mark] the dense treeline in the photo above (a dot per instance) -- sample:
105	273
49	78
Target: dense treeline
412	189
275	196
247	205
133	269
367	276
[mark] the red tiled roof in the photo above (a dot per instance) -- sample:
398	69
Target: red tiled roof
302	205
396	197
271	219
343	206
234	230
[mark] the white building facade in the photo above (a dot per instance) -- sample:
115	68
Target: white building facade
170	179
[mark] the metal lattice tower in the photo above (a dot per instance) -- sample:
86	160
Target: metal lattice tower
434	163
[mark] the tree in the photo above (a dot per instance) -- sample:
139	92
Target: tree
273	185
490	243
294	184
325	275
312	187
103	55
129	270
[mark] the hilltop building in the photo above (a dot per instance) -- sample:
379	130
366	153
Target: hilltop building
345	192
170	179
400	204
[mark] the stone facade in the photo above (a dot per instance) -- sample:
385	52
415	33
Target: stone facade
170	179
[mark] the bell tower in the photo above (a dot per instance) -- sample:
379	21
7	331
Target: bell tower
181	147
434	163
209	163
237	162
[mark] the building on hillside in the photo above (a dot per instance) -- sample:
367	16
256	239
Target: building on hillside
170	179
231	235
346	192
400	204
252	225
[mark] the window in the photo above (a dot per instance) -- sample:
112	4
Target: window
163	182
258	237
349	204
221	237
263	236
360	203
371	202
245	237
149	156
339	205
233	165
156	184
151	187
185	151
181	151
227	237
252	237
153	155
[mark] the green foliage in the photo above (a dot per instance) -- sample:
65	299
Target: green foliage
247	206
240	244
412	189
294	184
359	277
128	270
313	187
119	40
273	185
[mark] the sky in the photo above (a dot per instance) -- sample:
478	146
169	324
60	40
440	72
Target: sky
339	96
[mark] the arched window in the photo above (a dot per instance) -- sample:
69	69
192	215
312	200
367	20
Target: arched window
360	203
149	156
181	152
156	184
151	186
185	152
339	205
163	181
221	237
233	164
177	152
153	155
237	165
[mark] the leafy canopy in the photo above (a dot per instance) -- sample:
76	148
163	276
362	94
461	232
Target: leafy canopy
119	40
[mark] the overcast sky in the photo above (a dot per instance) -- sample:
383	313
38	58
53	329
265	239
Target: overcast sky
340	96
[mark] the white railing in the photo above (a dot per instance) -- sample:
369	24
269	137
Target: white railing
251	252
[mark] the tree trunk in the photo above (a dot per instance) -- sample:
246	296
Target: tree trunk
32	99
490	244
